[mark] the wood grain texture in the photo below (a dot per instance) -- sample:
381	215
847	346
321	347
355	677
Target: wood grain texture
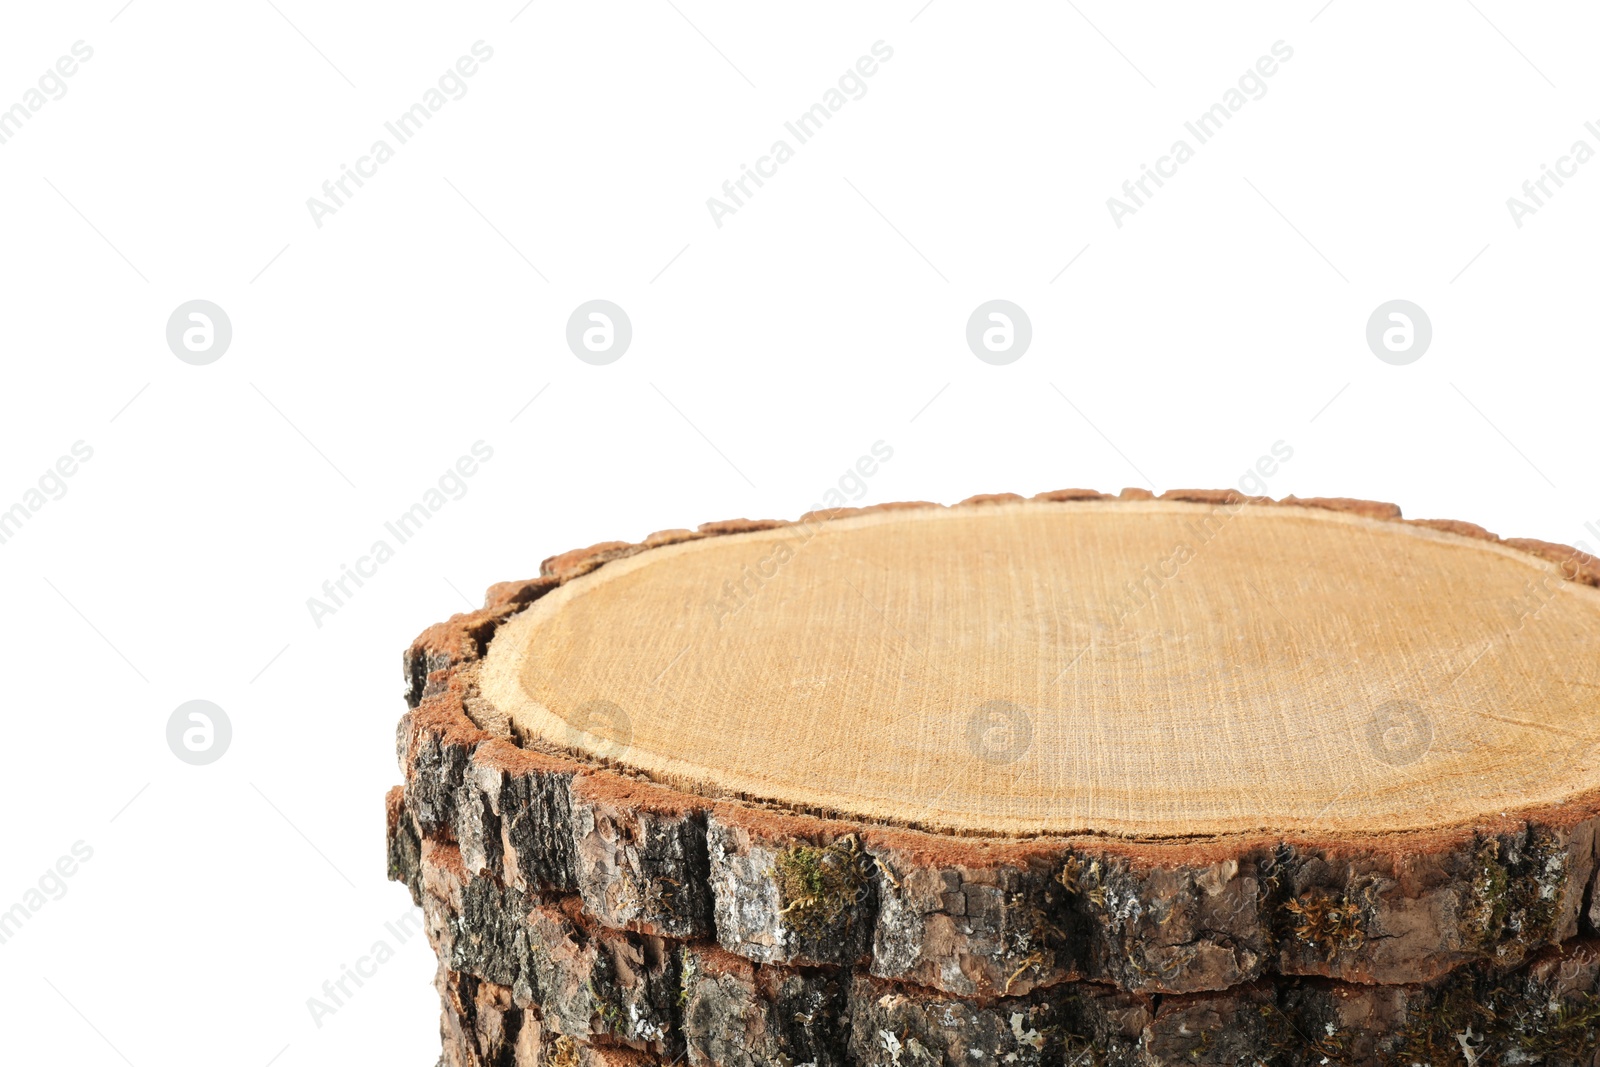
1156	668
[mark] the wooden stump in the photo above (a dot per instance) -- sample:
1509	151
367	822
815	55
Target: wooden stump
1192	779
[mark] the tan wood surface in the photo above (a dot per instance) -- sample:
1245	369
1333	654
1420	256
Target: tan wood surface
1150	668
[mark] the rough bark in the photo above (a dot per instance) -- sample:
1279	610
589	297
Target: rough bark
482	1026
763	911
1546	1014
519	974
585	981
596	985
640	858
513	817
404	849
740	1014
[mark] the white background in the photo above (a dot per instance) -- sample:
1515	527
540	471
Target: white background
827	314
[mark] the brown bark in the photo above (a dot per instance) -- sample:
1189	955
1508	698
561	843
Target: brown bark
519	973
482	1026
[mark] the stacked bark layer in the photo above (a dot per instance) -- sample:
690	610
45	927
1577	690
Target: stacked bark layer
583	915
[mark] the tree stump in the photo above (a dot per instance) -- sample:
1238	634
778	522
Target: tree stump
1078	779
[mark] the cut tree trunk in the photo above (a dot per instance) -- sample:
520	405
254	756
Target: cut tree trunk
955	776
